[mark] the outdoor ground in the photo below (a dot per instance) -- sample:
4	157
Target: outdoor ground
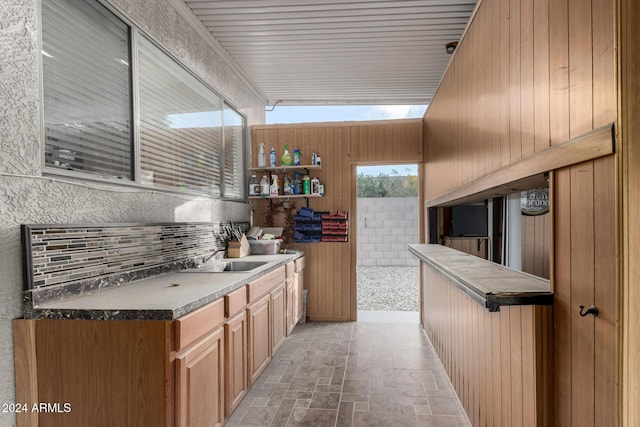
388	288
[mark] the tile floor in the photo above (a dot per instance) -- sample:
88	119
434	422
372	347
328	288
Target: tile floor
352	374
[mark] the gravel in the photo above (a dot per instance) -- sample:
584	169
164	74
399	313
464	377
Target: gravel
388	288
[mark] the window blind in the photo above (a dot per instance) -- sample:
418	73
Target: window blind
87	89
233	154
180	125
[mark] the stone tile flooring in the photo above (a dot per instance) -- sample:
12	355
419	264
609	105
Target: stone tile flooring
352	374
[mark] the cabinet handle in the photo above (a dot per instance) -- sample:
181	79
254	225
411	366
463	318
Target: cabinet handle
591	310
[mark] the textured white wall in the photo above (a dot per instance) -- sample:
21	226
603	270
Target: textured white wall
385	227
28	197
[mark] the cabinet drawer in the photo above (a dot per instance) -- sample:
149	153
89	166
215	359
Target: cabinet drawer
235	301
266	283
300	264
196	324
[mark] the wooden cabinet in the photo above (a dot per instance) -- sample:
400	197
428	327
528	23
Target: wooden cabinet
299	289
190	372
200	383
278	317
259	337
236	354
200	367
294	287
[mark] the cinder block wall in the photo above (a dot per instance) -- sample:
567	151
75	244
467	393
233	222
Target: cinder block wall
385	227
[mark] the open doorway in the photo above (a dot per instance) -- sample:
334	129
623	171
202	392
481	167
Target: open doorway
387	220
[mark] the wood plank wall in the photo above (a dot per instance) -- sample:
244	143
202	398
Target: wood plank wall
535	244
527	75
629	200
330	269
499	363
586	380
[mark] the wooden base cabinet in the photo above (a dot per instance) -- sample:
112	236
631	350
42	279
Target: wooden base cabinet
235	333
200	383
279	318
259	336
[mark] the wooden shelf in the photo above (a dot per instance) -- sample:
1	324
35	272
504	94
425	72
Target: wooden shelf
292	196
286	168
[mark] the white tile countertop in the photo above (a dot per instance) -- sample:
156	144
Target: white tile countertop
164	297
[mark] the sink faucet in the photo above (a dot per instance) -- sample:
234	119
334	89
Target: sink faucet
216	255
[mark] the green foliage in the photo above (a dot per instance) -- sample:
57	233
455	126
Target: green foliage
387	185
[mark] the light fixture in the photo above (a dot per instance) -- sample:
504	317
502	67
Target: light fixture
451	46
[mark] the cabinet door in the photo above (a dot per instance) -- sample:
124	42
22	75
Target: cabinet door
292	304
200	383
259	336
300	294
279	318
235	345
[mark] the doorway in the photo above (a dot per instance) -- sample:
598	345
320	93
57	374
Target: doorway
387	211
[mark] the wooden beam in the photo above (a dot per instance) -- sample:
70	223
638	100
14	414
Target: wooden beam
528	171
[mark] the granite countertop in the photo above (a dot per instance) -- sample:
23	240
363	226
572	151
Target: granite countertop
490	284
157	298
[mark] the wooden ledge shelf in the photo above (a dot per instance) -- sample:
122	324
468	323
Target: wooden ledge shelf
491	285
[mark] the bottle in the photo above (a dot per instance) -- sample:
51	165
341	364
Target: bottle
272	157
296	157
262	158
264	186
318	160
313	158
254	186
315	184
286	157
287	188
306	184
273	190
296	184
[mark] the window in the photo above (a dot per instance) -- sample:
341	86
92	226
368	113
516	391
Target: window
187	138
233	153
180	125
87	89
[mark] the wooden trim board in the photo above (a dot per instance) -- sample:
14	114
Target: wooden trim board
595	144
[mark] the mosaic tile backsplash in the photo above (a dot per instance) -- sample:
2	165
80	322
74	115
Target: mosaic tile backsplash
84	254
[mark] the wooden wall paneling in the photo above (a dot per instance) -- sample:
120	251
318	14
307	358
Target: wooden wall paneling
580	68
558	71
505	345
562	303
604	62
495	90
477	349
527	68
535	245
515	110
505	41
529	403
605	292
629	192
541	71
582	293
515	328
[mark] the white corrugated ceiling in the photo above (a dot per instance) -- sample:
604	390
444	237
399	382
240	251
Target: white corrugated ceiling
330	51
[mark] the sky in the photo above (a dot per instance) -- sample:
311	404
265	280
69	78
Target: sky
338	113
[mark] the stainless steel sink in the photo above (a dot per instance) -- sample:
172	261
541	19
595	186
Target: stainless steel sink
226	267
